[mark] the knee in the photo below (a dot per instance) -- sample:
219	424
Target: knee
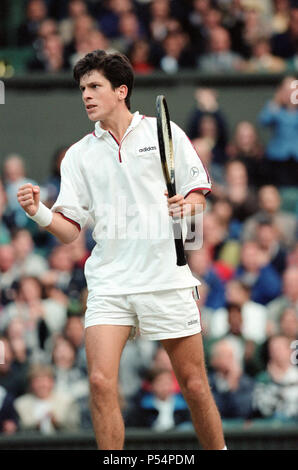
100	385
196	388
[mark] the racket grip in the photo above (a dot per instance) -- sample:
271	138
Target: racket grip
181	260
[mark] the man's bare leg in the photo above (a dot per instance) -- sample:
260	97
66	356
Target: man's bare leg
187	357
104	346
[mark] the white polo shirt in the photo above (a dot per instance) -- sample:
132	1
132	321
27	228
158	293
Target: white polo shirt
121	187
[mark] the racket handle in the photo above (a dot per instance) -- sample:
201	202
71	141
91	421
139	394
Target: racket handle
181	260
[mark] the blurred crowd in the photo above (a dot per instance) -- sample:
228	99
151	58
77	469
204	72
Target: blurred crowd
248	268
168	35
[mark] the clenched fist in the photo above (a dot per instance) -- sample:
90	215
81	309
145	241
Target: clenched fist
28	198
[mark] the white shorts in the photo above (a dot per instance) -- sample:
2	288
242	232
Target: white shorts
158	315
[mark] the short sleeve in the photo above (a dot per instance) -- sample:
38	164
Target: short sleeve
72	201
191	174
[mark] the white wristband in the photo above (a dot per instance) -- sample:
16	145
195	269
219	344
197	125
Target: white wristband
43	216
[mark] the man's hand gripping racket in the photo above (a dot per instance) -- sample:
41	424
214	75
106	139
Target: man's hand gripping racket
168	166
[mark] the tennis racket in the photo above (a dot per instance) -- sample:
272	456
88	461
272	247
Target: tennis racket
168	166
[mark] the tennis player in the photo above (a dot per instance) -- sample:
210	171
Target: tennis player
133	281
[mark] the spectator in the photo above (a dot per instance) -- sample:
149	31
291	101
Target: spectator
262	59
251	323
52	184
139	55
202	267
238	192
130	31
232	389
246	147
288	324
196	22
27	263
268	238
177	52
13	374
207	105
43	408
288	297
8	274
109	21
8	414
281	114
76	8
254	27
4	231
281	16
74	332
276	392
285	44
160	14
36	12
269	203
69	378
14	175
256	271
220	57
160	408
84	25
52	57
16	335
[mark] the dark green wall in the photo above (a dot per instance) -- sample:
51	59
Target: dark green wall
41	114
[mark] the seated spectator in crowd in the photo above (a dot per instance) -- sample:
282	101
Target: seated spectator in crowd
159	16
135	360
285	44
262	59
42	317
8	414
237	190
247	148
232	389
16	335
130	31
276	391
36	12
288	324
208	130
220	57
139	56
52	57
69	378
13	374
255	26
4	231
288	297
268	238
256	271
76	8
281	16
225	253
43	408
269	202
159	408
8	274
252	322
61	265
52	184
109	20
74	332
84	25
200	263
281	115
27	263
177	52
223	211
207	104
197	25
14	176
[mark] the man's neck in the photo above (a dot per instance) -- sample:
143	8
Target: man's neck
118	124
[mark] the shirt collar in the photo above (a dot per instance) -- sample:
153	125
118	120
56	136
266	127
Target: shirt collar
137	117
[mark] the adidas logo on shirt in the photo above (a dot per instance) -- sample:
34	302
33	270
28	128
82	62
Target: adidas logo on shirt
148	149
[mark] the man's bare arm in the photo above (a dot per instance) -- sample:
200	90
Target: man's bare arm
29	200
194	203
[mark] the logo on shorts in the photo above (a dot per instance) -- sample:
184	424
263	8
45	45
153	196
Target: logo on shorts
192	322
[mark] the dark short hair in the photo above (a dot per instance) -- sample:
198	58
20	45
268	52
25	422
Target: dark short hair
114	66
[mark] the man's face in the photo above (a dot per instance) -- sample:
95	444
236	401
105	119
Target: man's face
99	98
